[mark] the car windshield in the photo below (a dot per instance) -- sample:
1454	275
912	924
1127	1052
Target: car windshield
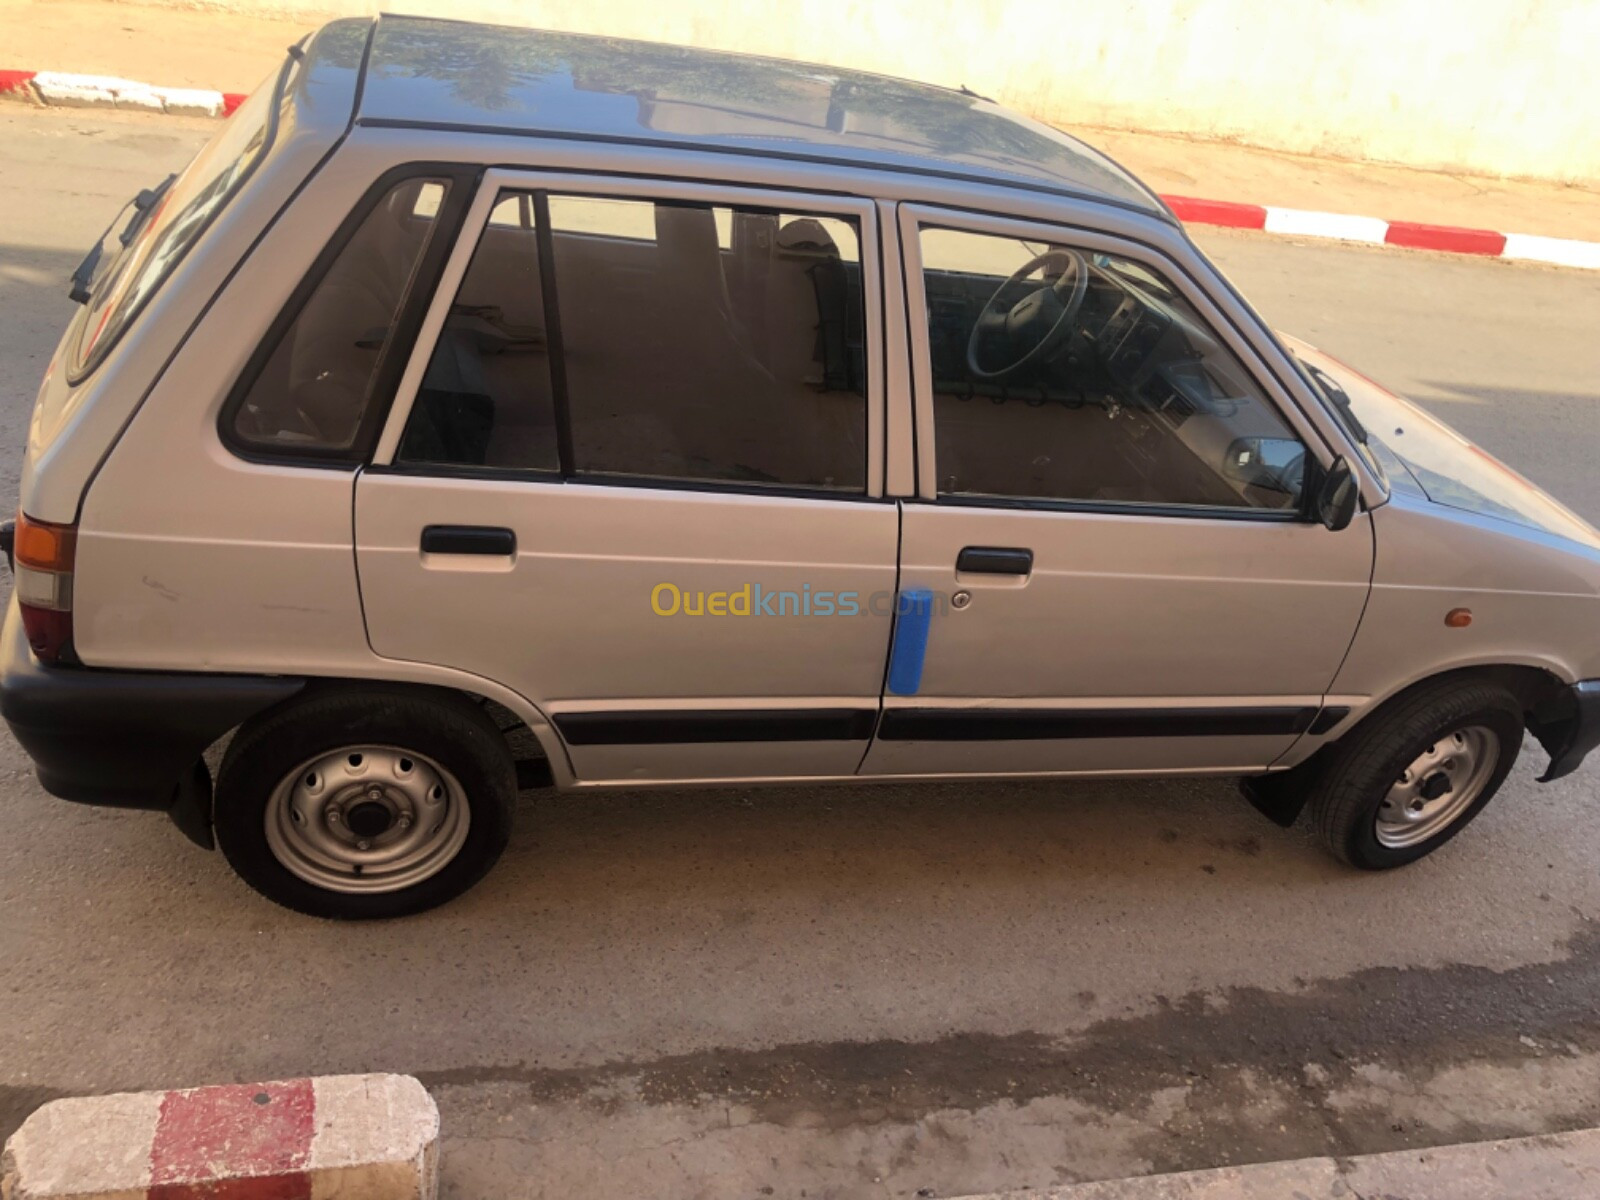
1137	275
135	257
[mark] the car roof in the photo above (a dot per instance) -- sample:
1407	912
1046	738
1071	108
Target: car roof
426	72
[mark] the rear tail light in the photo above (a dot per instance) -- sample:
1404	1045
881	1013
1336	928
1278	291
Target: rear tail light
44	555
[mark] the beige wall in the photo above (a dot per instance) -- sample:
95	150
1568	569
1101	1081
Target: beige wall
1499	87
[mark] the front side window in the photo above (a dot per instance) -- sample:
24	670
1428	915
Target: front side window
693	342
1071	375
314	388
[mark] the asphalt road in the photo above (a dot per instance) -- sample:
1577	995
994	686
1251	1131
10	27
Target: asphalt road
891	991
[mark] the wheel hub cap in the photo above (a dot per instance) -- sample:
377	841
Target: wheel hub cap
1438	787
367	819
370	819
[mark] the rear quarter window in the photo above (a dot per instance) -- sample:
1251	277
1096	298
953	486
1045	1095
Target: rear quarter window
310	393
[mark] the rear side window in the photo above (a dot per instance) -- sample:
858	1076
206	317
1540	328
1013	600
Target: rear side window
313	391
690	342
486	400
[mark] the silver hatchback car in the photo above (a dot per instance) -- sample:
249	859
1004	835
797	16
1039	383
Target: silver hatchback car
487	407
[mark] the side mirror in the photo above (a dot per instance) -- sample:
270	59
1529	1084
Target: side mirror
1275	464
1337	496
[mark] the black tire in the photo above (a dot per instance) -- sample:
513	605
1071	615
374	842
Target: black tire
1367	762
438	725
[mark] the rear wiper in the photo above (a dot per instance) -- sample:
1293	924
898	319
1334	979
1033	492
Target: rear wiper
143	205
78	286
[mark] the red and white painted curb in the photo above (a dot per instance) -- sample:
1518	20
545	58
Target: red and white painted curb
337	1137
1300	222
58	89
53	88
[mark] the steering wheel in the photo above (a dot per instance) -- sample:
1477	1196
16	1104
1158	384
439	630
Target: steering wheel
1040	321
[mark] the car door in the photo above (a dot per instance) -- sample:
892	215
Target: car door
634	473
1110	545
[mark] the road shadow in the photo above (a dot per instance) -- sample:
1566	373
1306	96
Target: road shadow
33	297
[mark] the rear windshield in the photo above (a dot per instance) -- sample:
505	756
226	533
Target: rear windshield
129	275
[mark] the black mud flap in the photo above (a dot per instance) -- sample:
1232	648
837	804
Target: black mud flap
1569	738
1282	795
191	806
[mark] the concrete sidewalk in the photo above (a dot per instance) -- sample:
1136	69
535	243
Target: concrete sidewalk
1554	1167
230	53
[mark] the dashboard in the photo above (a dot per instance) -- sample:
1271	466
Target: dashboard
1148	352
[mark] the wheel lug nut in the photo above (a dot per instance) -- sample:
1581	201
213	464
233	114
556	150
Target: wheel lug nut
363	844
374	793
404	823
333	816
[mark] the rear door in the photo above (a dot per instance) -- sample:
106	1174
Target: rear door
634	473
1112	584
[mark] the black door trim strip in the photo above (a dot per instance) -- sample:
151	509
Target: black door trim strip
684	726
657	727
1036	724
1328	718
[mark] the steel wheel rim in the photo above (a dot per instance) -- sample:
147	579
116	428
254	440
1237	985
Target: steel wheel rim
366	819
1441	784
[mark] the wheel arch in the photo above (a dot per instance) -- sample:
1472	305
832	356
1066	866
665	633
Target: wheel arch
1546	698
1547	704
314	859
492	699
193	810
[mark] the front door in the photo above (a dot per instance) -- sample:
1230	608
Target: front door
634	474
1118	571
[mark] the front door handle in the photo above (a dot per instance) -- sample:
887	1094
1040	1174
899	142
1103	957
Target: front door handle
469	539
995	560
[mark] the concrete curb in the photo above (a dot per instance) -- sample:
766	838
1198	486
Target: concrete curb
59	89
55	88
350	1137
1558	1166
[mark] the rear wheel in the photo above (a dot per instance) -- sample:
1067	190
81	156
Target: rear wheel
1411	777
366	802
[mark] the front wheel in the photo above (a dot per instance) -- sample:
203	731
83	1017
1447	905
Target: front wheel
363	802
1412	776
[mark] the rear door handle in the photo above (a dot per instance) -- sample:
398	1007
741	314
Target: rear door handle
995	560
469	539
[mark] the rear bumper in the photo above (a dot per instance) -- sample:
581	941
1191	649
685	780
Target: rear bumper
1576	736
127	739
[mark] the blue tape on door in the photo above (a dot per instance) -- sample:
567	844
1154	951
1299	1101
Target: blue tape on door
913	614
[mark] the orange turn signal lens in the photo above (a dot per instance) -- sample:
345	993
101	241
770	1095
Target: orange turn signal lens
43	546
1458	618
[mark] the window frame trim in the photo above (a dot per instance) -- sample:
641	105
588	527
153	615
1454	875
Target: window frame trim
861	209
396	350
914	218
900	442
